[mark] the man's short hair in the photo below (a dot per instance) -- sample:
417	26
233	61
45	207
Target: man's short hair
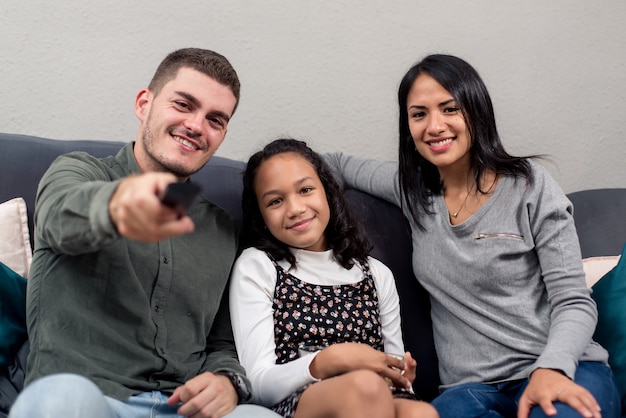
205	61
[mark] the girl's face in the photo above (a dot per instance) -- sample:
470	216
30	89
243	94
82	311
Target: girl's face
437	124
293	201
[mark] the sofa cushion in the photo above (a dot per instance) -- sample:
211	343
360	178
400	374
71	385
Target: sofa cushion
610	295
15	250
596	267
12	314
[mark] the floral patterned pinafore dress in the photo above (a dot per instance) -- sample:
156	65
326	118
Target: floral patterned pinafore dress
310	314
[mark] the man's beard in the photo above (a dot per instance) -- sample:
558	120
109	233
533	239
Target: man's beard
158	161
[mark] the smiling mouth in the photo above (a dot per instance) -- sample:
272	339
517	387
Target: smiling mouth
440	142
301	224
184	141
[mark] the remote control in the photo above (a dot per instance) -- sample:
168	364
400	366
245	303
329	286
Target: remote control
179	196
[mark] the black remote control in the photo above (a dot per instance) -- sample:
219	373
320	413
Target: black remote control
179	196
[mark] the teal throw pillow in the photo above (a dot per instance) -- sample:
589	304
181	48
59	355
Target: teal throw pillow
610	296
12	314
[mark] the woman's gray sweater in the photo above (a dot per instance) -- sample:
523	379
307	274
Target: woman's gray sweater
507	285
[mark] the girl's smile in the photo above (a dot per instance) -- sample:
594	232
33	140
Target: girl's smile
292	201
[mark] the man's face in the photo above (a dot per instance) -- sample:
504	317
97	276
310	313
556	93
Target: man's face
184	124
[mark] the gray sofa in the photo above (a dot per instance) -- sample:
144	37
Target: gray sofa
599	216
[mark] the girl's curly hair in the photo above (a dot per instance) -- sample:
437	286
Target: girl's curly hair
343	233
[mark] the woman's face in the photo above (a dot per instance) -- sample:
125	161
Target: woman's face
437	125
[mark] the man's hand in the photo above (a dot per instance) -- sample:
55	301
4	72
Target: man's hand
138	214
546	386
206	395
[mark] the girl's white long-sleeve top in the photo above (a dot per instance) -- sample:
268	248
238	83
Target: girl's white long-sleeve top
253	282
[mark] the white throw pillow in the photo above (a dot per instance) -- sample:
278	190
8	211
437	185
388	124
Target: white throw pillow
15	250
596	267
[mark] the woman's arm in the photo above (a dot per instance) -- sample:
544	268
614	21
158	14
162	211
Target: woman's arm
574	313
378	178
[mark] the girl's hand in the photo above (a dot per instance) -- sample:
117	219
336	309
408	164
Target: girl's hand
410	367
546	386
345	357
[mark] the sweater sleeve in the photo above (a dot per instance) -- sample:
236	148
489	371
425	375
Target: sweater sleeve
378	178
251	297
389	307
573	311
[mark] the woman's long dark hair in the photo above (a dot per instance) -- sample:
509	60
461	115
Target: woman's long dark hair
343	234
419	179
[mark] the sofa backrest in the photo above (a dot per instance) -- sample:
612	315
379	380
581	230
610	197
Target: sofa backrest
600	216
597	213
24	159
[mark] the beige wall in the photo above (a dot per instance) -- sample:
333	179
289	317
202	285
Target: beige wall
327	71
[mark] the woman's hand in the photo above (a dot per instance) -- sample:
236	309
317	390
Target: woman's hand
345	357
546	386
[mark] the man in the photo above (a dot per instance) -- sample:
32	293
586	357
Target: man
126	292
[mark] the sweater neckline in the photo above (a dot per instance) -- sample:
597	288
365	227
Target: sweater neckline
442	210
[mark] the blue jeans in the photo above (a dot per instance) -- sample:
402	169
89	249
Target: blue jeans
73	396
473	400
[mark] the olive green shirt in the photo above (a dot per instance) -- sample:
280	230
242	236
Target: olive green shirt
131	316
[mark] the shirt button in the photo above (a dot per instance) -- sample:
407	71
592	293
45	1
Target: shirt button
165	260
157	309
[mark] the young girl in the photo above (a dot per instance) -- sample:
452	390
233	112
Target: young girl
306	285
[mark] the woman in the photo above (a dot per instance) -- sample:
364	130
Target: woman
494	244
